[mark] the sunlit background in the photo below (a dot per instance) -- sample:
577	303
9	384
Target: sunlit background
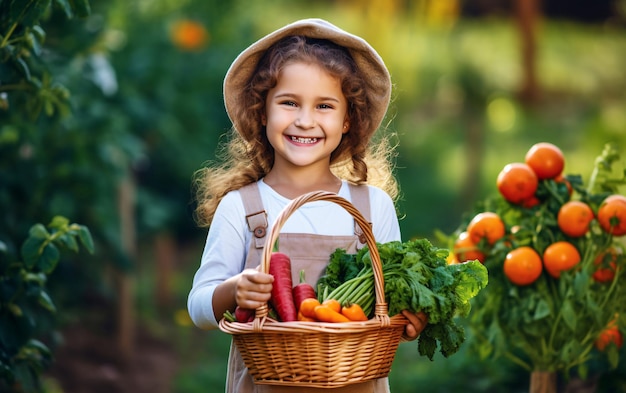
476	83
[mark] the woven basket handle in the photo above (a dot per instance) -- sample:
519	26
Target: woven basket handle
380	309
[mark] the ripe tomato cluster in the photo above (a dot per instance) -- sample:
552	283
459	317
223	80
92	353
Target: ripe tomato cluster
520	184
544	223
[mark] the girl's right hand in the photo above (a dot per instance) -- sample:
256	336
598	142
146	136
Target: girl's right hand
253	288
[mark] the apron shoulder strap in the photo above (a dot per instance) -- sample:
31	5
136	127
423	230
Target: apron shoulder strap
255	213
360	196
257	217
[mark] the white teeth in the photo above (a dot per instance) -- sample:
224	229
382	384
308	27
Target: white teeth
303	140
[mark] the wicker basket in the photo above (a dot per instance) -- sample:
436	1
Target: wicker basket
319	354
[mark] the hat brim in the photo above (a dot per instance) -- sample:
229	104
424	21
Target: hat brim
368	61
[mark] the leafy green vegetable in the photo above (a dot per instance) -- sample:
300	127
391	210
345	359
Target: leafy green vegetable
342	267
417	278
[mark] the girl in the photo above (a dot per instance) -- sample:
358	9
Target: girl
305	102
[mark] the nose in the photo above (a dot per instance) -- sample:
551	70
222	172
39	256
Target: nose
305	119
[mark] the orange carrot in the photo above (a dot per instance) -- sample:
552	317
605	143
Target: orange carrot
307	307
353	312
304	318
333	304
324	313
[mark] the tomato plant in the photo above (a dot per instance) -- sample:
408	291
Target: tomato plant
554	274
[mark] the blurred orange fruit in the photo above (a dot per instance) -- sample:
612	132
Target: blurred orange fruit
610	334
612	215
522	266
559	257
466	250
546	160
605	264
574	218
189	35
486	225
517	182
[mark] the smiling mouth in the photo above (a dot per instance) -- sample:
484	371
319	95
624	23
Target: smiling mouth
303	140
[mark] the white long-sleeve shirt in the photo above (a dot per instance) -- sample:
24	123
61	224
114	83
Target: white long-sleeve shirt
229	237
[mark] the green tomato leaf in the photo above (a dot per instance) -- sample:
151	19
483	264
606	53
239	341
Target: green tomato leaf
81	7
27	12
583	371
69	241
46	302
15	309
34	350
569	315
612	354
49	258
59	222
86	239
66	7
40	34
581	282
542	310
30	251
39	278
39	231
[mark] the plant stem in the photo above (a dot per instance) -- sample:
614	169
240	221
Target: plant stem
8	35
17	86
518	361
14	25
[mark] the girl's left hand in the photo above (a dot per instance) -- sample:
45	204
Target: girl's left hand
417	323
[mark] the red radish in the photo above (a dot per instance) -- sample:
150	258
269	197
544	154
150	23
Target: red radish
282	295
244	314
302	291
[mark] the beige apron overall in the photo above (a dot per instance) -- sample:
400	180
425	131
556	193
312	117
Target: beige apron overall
307	252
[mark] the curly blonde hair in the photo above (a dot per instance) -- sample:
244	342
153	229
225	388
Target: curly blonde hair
247	156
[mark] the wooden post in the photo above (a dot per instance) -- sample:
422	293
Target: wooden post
165	256
126	281
542	382
527	12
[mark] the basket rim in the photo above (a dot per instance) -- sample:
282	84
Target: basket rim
273	326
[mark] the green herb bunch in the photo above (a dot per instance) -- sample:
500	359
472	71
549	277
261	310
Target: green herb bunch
417	278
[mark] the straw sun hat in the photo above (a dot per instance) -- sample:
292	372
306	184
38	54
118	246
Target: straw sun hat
368	61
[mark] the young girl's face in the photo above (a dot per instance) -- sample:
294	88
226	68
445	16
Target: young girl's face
306	115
